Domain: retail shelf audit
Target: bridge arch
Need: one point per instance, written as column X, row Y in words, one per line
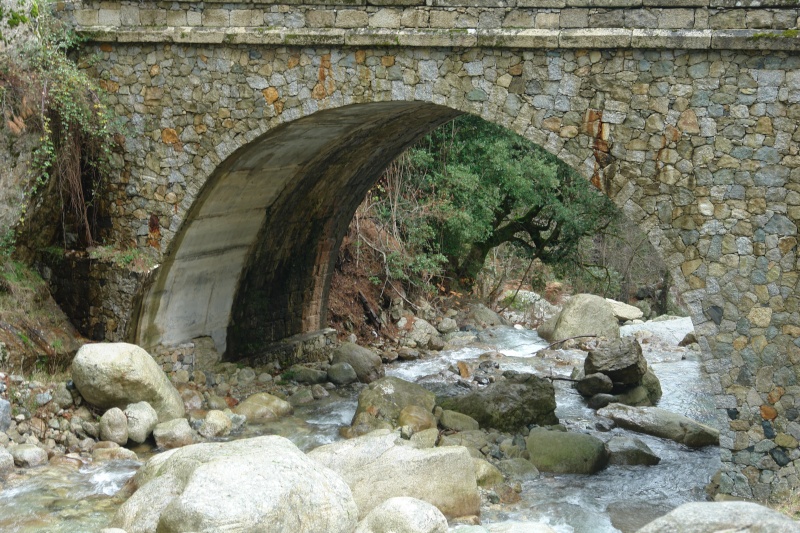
column 693, row 133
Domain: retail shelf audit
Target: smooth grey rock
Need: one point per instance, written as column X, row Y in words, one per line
column 342, row 374
column 623, row 311
column 118, row 374
column 114, row 426
column 709, row 517
column 263, row 407
column 485, row 317
column 367, row 365
column 142, row 419
column 592, row 384
column 630, row 451
column 28, row 455
column 380, row 466
column 518, row 468
column 215, row 424
column 486, row 474
column 304, row 374
column 509, row 404
column 403, row 515
column 261, row 484
column 661, row 423
column 621, row 360
column 388, row 397
column 564, row 452
column 173, row 434
column 457, row 421
column 582, row 314
column 447, row 325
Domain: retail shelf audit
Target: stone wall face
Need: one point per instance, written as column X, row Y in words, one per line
column 697, row 145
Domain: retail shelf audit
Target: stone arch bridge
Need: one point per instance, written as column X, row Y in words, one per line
column 255, row 127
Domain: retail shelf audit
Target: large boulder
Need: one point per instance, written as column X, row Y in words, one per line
column 173, row 434
column 385, row 399
column 709, row 517
column 261, row 484
column 365, row 362
column 583, row 314
column 485, row 317
column 118, row 374
column 6, row 462
column 263, row 407
column 380, row 466
column 28, row 455
column 420, row 334
column 661, row 423
column 510, row 404
column 403, row 515
column 563, row 452
column 621, row 360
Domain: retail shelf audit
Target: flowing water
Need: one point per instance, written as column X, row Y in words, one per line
column 620, row 498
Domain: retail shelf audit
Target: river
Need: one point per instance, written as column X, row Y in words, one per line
column 72, row 499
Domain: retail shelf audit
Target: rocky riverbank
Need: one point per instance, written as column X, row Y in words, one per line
column 414, row 457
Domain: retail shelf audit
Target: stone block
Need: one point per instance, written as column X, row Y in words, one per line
column 352, row 18
column 216, row 17
column 108, row 17
column 385, row 18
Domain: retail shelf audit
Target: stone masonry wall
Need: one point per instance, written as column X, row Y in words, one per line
column 698, row 144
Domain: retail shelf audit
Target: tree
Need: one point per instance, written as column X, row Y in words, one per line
column 491, row 186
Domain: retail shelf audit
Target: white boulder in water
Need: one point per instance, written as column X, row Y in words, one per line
column 709, row 517
column 380, row 465
column 403, row 515
column 661, row 423
column 118, row 374
column 262, row 484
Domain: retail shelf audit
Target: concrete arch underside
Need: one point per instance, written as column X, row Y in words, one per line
column 253, row 262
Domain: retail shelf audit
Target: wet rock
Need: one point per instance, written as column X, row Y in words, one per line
column 261, row 484
column 118, row 374
column 486, row 474
column 386, row 398
column 380, row 466
column 583, row 314
column 301, row 397
column 403, row 515
column 708, row 517
column 262, row 407
column 592, row 384
column 28, row 455
column 319, row 392
column 417, row 418
column 408, row 354
column 661, row 423
column 142, row 419
column 420, row 335
column 564, row 452
column 518, row 469
column 367, row 365
column 6, row 462
column 304, row 374
column 457, row 421
column 621, row 360
column 173, row 434
column 215, row 424
column 509, row 404
column 519, row 527
column 111, row 451
column 114, row 426
column 342, row 374
column 630, row 451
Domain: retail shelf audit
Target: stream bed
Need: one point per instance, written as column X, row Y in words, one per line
column 74, row 498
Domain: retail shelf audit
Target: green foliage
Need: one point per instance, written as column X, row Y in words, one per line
column 46, row 93
column 471, row 186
